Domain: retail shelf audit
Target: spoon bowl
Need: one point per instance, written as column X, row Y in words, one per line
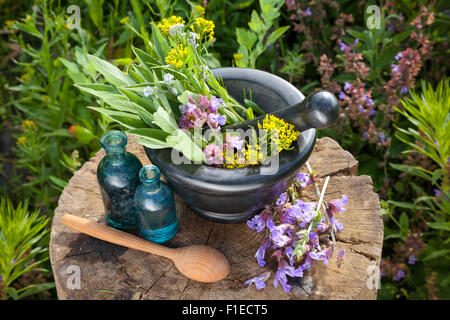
column 202, row 263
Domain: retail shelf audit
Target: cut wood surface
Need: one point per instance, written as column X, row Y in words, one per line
column 88, row 268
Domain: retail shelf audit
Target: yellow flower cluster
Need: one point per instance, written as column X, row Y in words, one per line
column 286, row 132
column 253, row 155
column 165, row 24
column 204, row 27
column 21, row 141
column 237, row 56
column 199, row 9
column 177, row 56
column 232, row 161
column 29, row 124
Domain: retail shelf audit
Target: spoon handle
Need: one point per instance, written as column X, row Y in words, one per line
column 115, row 236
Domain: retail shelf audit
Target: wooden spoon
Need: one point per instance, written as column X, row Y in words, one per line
column 198, row 262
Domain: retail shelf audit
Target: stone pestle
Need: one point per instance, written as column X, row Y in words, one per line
column 318, row 110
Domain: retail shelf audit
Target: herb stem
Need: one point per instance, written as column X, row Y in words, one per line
column 323, row 205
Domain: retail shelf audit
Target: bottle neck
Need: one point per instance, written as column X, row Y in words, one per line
column 152, row 186
column 150, row 178
column 116, row 156
column 115, row 145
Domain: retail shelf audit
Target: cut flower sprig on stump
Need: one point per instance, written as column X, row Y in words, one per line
column 170, row 96
column 298, row 231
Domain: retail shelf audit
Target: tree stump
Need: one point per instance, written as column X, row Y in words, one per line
column 88, row 268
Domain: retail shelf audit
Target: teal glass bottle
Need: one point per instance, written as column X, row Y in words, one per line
column 118, row 177
column 155, row 205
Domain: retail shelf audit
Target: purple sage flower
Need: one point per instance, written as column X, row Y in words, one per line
column 400, row 275
column 302, row 211
column 412, row 259
column 322, row 226
column 369, row 101
column 404, row 90
column 399, row 56
column 289, row 251
column 437, row 193
column 262, row 251
column 303, row 179
column 324, row 255
column 259, row 281
column 337, row 226
column 337, row 205
column 360, row 108
column 308, row 11
column 395, row 69
column 281, row 199
column 232, row 141
column 283, row 270
column 215, row 104
column 382, row 137
column 343, row 46
column 347, row 86
column 342, row 95
column 282, row 234
column 258, row 222
column 215, row 119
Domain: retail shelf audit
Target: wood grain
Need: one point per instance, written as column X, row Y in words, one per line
column 132, row 274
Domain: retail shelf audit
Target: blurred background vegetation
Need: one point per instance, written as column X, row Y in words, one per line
column 390, row 82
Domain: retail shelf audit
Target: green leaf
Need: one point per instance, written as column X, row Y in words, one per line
column 240, row 4
column 436, row 175
column 246, row 38
column 12, row 293
column 35, row 288
column 254, row 106
column 276, row 34
column 183, row 98
column 160, row 44
column 249, row 113
column 256, row 24
column 404, row 224
column 401, row 36
column 153, row 143
column 59, row 182
column 437, row 254
column 111, row 73
column 439, row 225
column 359, row 35
column 416, row 171
column 144, row 58
column 141, row 101
column 182, row 142
column 151, row 138
column 165, row 121
column 406, row 205
column 121, row 103
column 97, row 89
column 128, row 120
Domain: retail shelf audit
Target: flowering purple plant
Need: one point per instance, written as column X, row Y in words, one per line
column 196, row 114
column 295, row 230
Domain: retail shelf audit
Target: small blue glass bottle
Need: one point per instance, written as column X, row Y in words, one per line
column 155, row 205
column 118, row 177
